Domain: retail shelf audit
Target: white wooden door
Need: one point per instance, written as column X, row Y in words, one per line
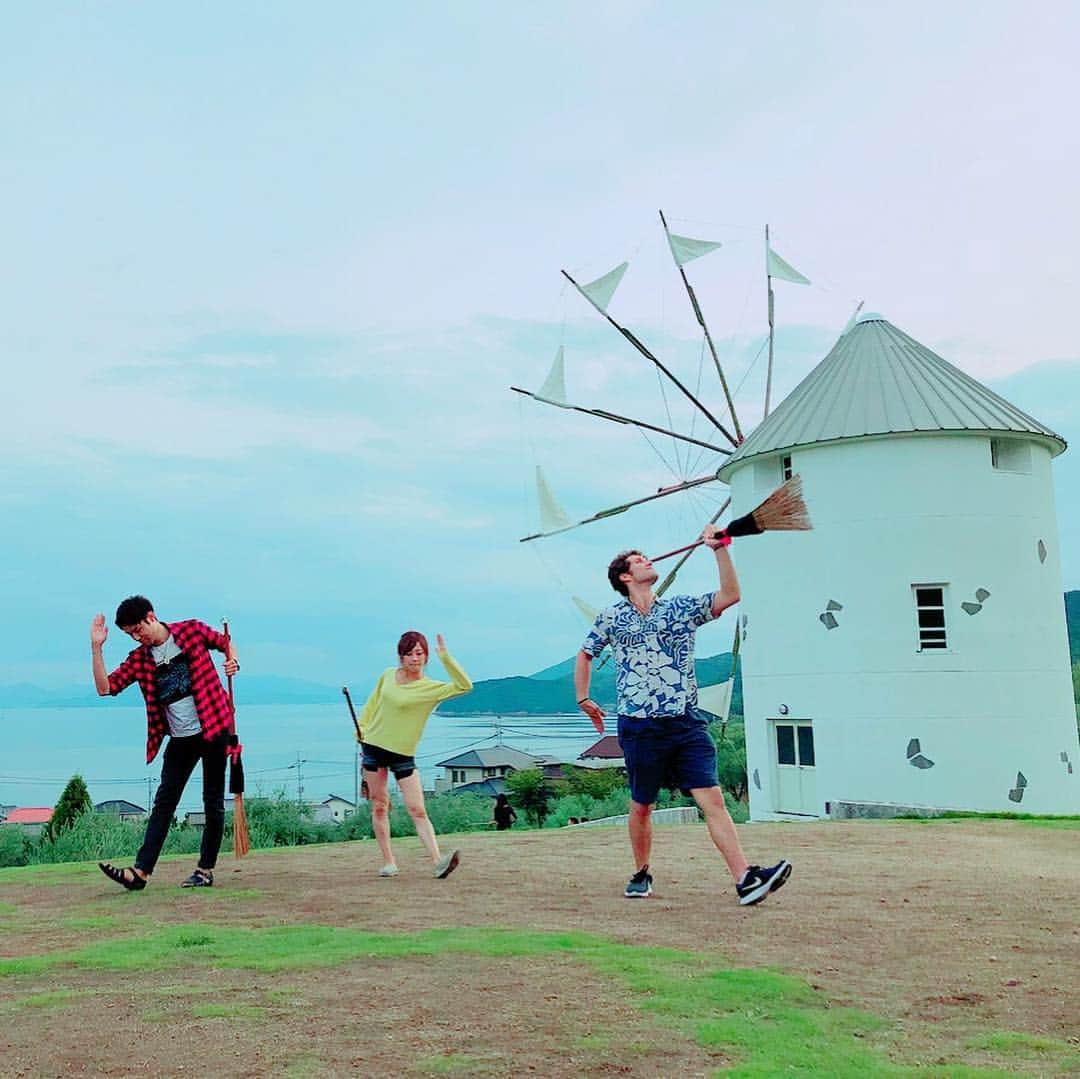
column 794, row 767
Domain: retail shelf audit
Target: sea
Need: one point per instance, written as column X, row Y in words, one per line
column 306, row 751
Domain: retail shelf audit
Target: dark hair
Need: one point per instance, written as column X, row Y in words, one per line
column 500, row 799
column 409, row 640
column 132, row 611
column 620, row 564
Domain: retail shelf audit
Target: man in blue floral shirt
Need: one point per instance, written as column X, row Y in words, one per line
column 664, row 738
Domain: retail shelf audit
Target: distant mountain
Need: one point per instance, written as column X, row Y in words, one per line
column 552, row 690
column 251, row 689
column 543, row 693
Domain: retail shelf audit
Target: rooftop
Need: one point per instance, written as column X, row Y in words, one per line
column 875, row 381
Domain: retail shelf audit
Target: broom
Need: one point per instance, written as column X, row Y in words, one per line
column 783, row 511
column 241, row 840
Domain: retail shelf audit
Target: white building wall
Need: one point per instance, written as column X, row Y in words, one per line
column 889, row 513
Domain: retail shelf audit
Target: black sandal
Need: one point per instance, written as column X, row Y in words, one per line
column 201, row 878
column 133, row 883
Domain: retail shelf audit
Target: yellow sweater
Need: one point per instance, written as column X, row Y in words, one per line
column 396, row 713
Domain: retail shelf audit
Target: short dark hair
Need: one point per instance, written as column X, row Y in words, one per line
column 409, row 640
column 132, row 611
column 620, row 564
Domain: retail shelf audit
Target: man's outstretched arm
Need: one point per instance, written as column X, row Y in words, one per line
column 728, row 593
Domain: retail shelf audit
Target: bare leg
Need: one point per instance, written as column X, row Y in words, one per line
column 380, row 812
column 640, row 822
column 722, row 829
column 413, row 793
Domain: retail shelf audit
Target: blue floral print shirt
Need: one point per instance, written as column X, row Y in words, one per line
column 654, row 653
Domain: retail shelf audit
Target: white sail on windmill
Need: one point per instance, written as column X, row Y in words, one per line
column 724, row 438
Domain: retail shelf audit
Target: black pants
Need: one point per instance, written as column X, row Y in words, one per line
column 181, row 756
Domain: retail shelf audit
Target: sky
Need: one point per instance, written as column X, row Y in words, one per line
column 271, row 270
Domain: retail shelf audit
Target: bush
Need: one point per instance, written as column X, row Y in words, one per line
column 14, row 845
column 528, row 791
column 74, row 802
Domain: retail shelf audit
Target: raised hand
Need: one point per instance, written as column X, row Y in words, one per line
column 98, row 630
column 440, row 642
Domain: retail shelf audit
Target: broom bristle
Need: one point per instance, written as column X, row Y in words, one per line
column 241, row 839
column 784, row 510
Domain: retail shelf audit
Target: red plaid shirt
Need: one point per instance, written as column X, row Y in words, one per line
column 194, row 639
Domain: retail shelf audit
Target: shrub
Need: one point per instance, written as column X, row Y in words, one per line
column 14, row 845
column 74, row 802
column 529, row 792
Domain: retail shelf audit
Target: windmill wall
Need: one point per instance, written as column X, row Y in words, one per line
column 832, row 645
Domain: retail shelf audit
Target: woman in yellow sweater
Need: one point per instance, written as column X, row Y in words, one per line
column 391, row 725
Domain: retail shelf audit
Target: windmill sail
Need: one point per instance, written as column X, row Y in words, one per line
column 684, row 249
column 600, row 291
column 553, row 391
column 783, row 270
column 552, row 516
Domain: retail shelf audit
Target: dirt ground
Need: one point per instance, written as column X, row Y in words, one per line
column 942, row 929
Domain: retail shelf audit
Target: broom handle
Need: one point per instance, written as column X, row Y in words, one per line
column 229, row 677
column 352, row 712
column 678, row 550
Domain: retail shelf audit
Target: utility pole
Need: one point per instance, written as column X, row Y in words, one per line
column 149, row 793
column 299, row 779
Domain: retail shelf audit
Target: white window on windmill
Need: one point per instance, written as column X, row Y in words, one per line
column 1010, row 455
column 930, row 616
column 770, row 472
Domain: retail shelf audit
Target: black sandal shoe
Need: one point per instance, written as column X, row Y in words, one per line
column 127, row 877
column 201, row 878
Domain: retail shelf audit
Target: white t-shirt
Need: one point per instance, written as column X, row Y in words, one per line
column 172, row 672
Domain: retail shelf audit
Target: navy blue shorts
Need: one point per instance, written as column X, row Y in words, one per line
column 667, row 751
column 375, row 757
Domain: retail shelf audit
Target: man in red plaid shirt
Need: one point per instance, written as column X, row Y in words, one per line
column 185, row 700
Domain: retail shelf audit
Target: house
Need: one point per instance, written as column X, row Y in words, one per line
column 32, row 819
column 910, row 653
column 476, row 765
column 4, row 811
column 488, row 787
column 120, row 808
column 604, row 753
column 332, row 809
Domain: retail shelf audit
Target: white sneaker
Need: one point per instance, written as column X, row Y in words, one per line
column 447, row 864
column 389, row 870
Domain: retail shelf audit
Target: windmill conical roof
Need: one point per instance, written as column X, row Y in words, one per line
column 877, row 381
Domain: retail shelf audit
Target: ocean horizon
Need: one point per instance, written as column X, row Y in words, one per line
column 41, row 748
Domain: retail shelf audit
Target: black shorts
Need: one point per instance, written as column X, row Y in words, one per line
column 375, row 757
column 667, row 751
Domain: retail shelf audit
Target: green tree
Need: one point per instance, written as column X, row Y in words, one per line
column 593, row 782
column 74, row 802
column 731, row 758
column 529, row 791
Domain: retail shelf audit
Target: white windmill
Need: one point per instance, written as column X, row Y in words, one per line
column 911, row 652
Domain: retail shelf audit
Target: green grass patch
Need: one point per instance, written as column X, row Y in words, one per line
column 770, row 1023
column 228, row 1011
column 459, row 1064
column 8, row 909
column 307, row 1066
column 1038, row 819
column 155, row 1015
column 55, row 998
column 1012, row 1043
